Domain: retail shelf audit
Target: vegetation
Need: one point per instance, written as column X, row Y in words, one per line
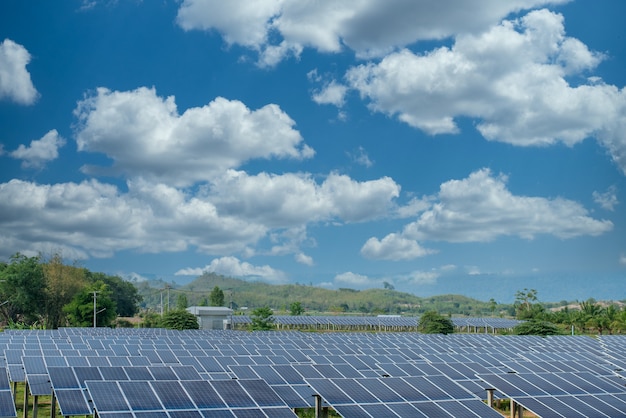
column 217, row 297
column 262, row 319
column 296, row 309
column 179, row 319
column 433, row 323
column 536, row 327
column 47, row 293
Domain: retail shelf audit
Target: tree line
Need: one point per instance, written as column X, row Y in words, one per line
column 585, row 317
column 46, row 293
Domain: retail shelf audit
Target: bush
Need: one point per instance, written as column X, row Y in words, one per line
column 433, row 323
column 179, row 319
column 536, row 327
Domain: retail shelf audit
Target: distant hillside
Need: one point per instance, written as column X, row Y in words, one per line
column 314, row 299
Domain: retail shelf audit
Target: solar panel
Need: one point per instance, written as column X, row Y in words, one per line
column 106, row 396
column 72, row 402
column 233, row 394
column 203, row 394
column 140, row 396
column 172, row 395
column 261, row 392
column 39, row 384
column 7, row 404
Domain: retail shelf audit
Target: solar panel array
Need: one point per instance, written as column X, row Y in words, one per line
column 156, row 372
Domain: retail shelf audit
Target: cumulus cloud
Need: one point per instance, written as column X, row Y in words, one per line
column 279, row 28
column 513, row 78
column 233, row 267
column 360, row 157
column 302, row 258
column 40, row 151
column 332, row 93
column 607, row 200
column 480, row 209
column 291, row 199
column 15, row 82
column 355, row 280
column 393, row 247
column 145, row 135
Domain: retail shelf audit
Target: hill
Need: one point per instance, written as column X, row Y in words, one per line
column 314, row 299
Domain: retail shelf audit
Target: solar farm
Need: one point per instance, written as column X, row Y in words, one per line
column 163, row 373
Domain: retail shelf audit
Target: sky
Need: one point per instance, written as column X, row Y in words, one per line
column 438, row 146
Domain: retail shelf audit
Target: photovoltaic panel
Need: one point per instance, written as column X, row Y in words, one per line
column 185, row 414
column 186, row 373
column 328, row 390
column 217, row 413
column 249, row 413
column 233, row 394
column 430, row 409
column 140, row 396
column 39, row 384
column 138, row 373
column 7, row 405
column 261, row 392
column 292, row 398
column 456, row 409
column 282, row 412
column 72, row 402
column 87, row 373
column 382, row 391
column 172, row 395
column 203, row 394
column 150, row 414
column 162, row 373
column 480, row 408
column 405, row 390
column 106, row 397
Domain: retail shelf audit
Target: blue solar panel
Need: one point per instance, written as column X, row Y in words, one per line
column 113, row 373
column 203, row 394
column 261, row 392
column 39, row 384
column 72, row 402
column 106, row 396
column 138, row 373
column 232, row 393
column 140, row 395
column 7, row 405
column 172, row 395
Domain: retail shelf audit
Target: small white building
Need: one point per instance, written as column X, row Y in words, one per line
column 212, row 317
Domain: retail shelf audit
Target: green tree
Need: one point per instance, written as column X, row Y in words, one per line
column 388, row 286
column 217, row 297
column 296, row 309
column 181, row 302
column 22, row 290
column 124, row 293
column 80, row 310
column 526, row 306
column 179, row 319
column 63, row 282
column 262, row 319
column 536, row 327
column 492, row 306
column 432, row 322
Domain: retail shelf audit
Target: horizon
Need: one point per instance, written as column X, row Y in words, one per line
column 438, row 148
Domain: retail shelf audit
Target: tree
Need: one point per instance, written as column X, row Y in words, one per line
column 536, row 327
column 526, row 306
column 124, row 293
column 296, row 309
column 179, row 319
column 492, row 305
column 262, row 319
column 80, row 310
column 433, row 323
column 181, row 302
column 63, row 282
column 388, row 286
column 217, row 297
column 22, row 289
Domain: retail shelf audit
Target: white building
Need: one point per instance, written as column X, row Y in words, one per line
column 212, row 317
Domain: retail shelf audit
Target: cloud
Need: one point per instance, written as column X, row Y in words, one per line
column 332, row 93
column 355, row 280
column 622, row 259
column 304, row 259
column 360, row 156
column 480, row 209
column 289, row 199
column 279, row 28
column 144, row 135
column 423, row 277
column 393, row 247
column 15, row 82
column 40, row 151
column 233, row 267
column 607, row 200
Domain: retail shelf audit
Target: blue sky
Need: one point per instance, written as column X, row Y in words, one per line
column 440, row 146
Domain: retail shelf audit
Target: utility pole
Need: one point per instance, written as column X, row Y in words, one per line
column 94, row 307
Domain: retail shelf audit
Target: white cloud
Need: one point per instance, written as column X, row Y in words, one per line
column 369, row 27
column 355, row 280
column 145, row 135
column 607, row 200
column 423, row 277
column 233, row 267
column 622, row 259
column 480, row 208
column 393, row 247
column 289, row 199
column 304, row 259
column 360, row 156
column 40, row 151
column 512, row 78
column 15, row 82
column 331, row 93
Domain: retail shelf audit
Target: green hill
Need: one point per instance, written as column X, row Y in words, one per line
column 315, row 300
